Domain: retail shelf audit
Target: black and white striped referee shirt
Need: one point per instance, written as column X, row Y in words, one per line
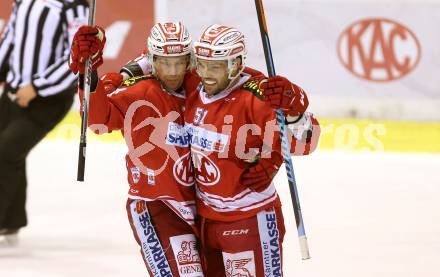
column 35, row 45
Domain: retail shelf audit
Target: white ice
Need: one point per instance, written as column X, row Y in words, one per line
column 366, row 215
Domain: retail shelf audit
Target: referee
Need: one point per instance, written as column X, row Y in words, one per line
column 38, row 90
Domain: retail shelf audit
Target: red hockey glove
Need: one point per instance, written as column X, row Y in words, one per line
column 110, row 82
column 284, row 95
column 262, row 173
column 106, row 84
column 87, row 42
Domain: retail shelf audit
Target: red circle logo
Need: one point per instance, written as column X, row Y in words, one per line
column 378, row 49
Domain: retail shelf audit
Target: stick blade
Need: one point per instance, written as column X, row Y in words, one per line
column 304, row 247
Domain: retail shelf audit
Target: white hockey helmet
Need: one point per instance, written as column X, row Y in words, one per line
column 220, row 42
column 169, row 39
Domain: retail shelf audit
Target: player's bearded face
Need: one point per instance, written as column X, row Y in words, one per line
column 214, row 75
column 171, row 71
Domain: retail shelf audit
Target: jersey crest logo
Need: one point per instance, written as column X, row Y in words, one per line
column 254, row 87
column 206, row 171
column 134, row 80
column 183, row 171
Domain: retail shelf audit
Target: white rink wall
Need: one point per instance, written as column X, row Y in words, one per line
column 304, row 37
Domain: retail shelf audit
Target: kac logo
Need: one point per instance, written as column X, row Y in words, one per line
column 182, row 170
column 378, row 49
column 205, row 170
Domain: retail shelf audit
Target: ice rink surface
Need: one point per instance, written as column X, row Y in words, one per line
column 366, row 215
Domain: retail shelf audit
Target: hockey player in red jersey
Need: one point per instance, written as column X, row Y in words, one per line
column 231, row 123
column 148, row 110
column 258, row 171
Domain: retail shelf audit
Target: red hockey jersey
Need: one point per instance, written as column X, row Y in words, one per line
column 158, row 160
column 227, row 132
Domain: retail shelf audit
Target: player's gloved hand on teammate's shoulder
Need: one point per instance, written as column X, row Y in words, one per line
column 88, row 42
column 109, row 82
column 284, row 95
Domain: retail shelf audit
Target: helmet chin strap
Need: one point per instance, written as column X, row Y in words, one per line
column 151, row 61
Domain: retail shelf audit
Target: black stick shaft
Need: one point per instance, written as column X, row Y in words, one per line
column 85, row 105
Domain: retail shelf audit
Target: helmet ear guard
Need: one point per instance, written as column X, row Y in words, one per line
column 231, row 65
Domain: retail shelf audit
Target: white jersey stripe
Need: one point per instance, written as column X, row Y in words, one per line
column 251, row 201
column 243, row 198
column 245, row 209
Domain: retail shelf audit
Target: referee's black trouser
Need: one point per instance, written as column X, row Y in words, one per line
column 20, row 130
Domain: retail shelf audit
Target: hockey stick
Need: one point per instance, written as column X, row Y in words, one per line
column 85, row 105
column 285, row 146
